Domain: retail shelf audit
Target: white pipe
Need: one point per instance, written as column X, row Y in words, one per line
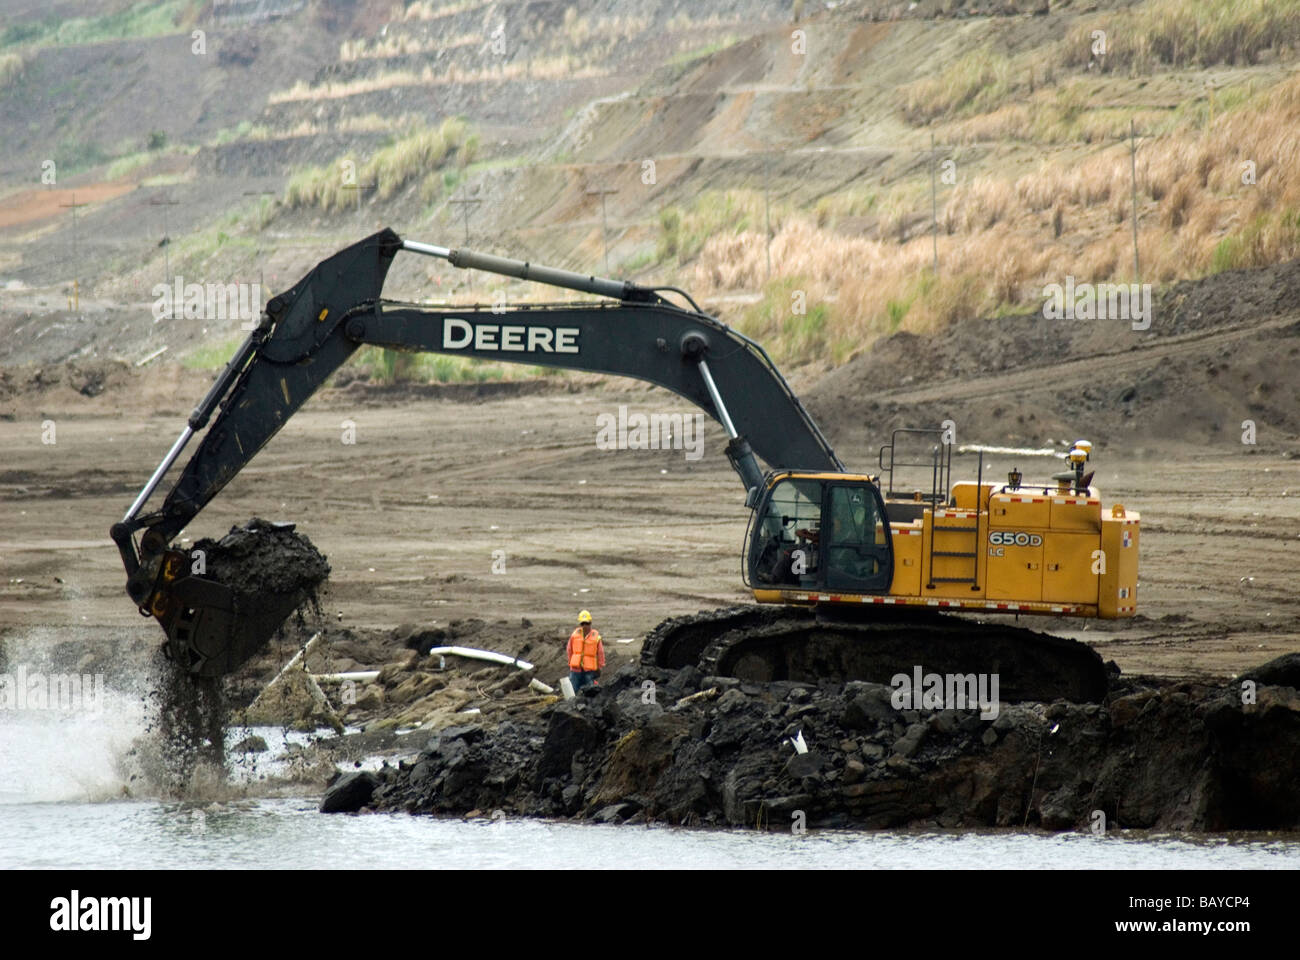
column 1012, row 451
column 157, row 353
column 489, row 655
column 540, row 687
column 306, row 648
column 364, row 676
column 428, row 249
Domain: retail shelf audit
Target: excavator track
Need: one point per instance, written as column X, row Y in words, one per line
column 765, row 643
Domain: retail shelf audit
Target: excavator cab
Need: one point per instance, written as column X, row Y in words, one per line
column 820, row 532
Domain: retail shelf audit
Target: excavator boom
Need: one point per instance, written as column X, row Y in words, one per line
column 311, row 329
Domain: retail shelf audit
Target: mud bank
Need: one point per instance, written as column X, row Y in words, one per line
column 1176, row 755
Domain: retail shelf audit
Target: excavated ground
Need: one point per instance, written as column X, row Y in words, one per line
column 675, row 747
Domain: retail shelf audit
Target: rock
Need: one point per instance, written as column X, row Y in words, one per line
column 867, row 710
column 634, row 710
column 293, row 699
column 349, row 793
column 469, row 732
column 804, row 764
column 640, row 758
column 854, row 770
column 414, row 686
column 731, row 700
column 391, row 673
column 1281, row 672
column 1125, row 710
column 569, row 732
column 742, row 788
column 901, row 766
column 722, row 683
column 370, row 698
column 686, row 680
column 910, row 742
column 798, row 695
column 251, row 744
column 990, row 737
column 614, row 813
column 944, row 722
column 873, row 751
column 1061, row 809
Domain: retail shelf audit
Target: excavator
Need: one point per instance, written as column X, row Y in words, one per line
column 852, row 573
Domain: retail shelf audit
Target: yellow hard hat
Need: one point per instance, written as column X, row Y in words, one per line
column 584, row 617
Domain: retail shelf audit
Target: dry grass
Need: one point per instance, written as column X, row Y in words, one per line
column 564, row 66
column 1178, row 33
column 423, row 10
column 12, row 66
column 976, row 83
column 1003, row 238
column 419, row 156
column 401, row 45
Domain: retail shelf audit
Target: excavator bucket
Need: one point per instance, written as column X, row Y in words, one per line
column 211, row 629
column 247, row 585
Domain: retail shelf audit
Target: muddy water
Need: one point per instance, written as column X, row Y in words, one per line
column 289, row 833
column 63, row 804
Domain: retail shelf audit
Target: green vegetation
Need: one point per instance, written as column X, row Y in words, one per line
column 401, row 366
column 789, row 324
column 213, row 355
column 976, row 83
column 74, row 155
column 148, row 19
column 1267, row 238
column 417, row 156
column 127, row 164
column 704, row 51
column 683, row 232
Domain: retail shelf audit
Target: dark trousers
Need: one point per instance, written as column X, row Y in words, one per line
column 583, row 678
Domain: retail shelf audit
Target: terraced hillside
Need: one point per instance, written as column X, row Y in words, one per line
column 758, row 155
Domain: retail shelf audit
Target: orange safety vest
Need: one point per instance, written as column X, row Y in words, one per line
column 583, row 652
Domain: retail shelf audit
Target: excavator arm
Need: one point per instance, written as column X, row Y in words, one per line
column 308, row 331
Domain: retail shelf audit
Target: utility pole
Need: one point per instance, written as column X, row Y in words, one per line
column 1132, row 151
column 604, row 225
column 465, row 204
column 72, row 205
column 358, row 187
column 166, row 240
column 934, row 206
column 767, row 209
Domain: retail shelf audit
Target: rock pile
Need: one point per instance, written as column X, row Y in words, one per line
column 676, row 747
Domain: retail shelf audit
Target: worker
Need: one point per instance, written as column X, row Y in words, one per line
column 586, row 654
